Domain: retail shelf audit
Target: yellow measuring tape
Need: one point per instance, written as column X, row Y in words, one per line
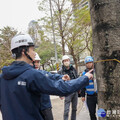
column 107, row 60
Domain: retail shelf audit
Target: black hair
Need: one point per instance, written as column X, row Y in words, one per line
column 17, row 52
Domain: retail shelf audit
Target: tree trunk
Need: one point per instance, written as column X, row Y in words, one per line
column 63, row 45
column 61, row 28
column 43, row 67
column 74, row 58
column 105, row 15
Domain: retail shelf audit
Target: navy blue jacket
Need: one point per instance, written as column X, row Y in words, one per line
column 45, row 101
column 20, row 88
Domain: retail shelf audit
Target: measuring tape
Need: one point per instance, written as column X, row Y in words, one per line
column 107, row 60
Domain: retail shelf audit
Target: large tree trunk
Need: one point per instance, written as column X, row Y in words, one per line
column 105, row 15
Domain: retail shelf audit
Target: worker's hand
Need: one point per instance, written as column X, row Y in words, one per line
column 62, row 98
column 66, row 77
column 83, row 99
column 89, row 74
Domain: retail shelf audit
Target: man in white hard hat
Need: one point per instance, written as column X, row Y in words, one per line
column 21, row 85
column 37, row 62
column 20, row 44
column 67, row 68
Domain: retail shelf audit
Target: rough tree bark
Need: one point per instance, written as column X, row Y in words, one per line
column 105, row 16
column 61, row 27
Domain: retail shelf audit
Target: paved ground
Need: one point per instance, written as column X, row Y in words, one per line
column 83, row 114
column 58, row 108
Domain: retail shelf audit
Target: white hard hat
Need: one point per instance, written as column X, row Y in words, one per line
column 37, row 57
column 21, row 40
column 65, row 57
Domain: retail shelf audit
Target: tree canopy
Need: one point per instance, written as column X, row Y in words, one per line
column 6, row 35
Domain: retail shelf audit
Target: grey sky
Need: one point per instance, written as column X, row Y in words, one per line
column 18, row 13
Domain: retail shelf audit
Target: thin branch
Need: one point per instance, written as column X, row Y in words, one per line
column 62, row 4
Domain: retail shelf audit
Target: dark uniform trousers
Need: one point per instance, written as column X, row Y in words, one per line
column 91, row 103
column 47, row 114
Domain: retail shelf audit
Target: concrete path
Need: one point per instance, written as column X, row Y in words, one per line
column 83, row 114
column 58, row 109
